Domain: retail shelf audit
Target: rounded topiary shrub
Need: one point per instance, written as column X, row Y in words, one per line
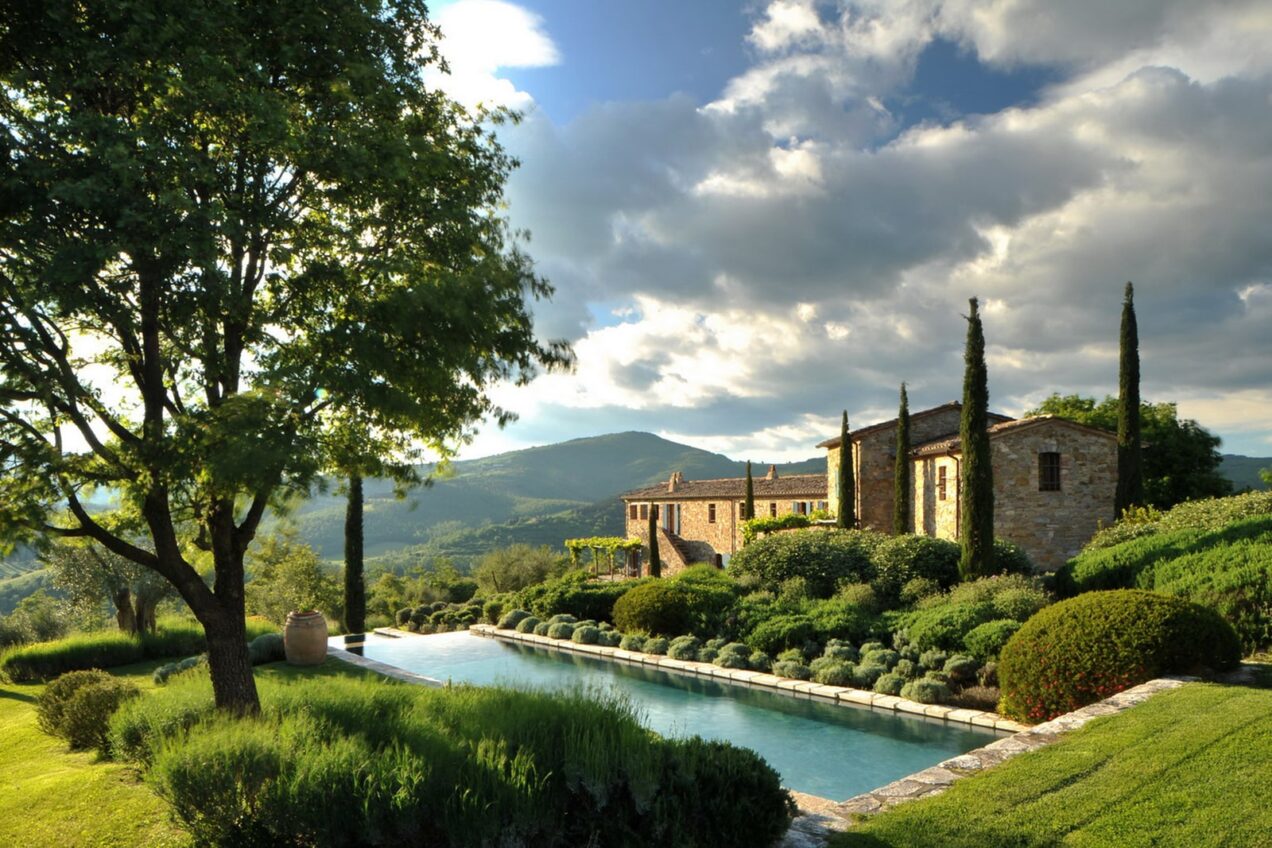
column 657, row 645
column 986, row 641
column 866, row 674
column 266, row 648
column 403, row 616
column 684, row 648
column 832, row 672
column 633, row 642
column 51, row 705
column 900, row 559
column 493, row 610
column 659, row 607
column 610, row 638
column 733, row 655
column 85, row 721
column 907, row 669
column 528, row 624
column 961, row 669
column 889, row 684
column 792, row 669
column 586, row 634
column 561, row 630
column 823, row 558
column 840, row 650
column 542, row 628
column 512, row 618
column 1084, row 649
column 760, row 661
column 926, row 691
column 881, row 656
column 781, row 632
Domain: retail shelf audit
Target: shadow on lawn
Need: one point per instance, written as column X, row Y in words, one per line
column 17, row 696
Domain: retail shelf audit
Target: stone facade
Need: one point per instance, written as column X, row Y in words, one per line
column 1051, row 519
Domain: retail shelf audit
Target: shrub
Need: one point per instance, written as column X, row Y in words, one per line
column 586, row 635
column 403, row 616
column 266, row 648
column 760, row 661
column 781, row 632
column 684, row 648
column 493, row 610
column 873, row 645
column 45, row 660
column 792, row 669
column 733, row 655
column 907, row 669
column 512, row 618
column 823, row 558
column 961, row 669
column 1081, row 650
column 574, row 594
column 85, row 720
column 1010, row 558
column 901, row 559
column 882, row 656
column 528, row 624
column 889, row 684
column 866, row 674
column 926, row 691
column 710, row 649
column 840, row 650
column 420, row 614
column 609, row 638
column 838, row 618
column 753, row 527
column 542, row 628
column 946, row 625
column 988, row 675
column 985, row 641
column 1019, row 604
column 51, row 704
column 917, row 589
column 660, row 607
column 933, row 659
column 832, row 672
column 632, row 642
column 355, row 762
column 657, row 645
column 561, row 630
column 563, row 618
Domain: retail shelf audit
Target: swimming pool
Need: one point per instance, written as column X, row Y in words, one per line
column 830, row 750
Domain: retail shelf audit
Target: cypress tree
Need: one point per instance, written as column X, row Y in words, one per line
column 902, row 475
column 1130, row 470
column 749, row 508
column 355, row 592
column 655, row 564
column 976, row 525
column 845, row 509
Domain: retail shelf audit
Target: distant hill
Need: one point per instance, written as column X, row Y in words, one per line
column 1243, row 471
column 539, row 495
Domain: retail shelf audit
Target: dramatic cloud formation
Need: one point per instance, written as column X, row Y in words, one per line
column 734, row 272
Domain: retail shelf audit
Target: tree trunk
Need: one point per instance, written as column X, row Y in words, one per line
column 144, row 614
column 233, row 687
column 355, row 592
column 124, row 615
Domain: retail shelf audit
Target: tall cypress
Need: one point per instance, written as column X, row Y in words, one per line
column 655, row 564
column 976, row 525
column 845, row 509
column 355, row 592
column 903, row 484
column 1130, row 469
column 749, row 508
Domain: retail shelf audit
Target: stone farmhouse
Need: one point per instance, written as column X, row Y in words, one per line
column 1054, row 484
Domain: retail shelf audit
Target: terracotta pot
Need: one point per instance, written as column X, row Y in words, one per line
column 305, row 638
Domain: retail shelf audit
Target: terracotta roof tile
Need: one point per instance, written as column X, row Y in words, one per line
column 952, row 443
column 892, row 423
column 792, row 485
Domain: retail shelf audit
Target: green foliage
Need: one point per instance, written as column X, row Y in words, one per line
column 527, row 625
column 839, row 618
column 755, row 527
column 287, row 575
column 926, row 691
column 946, row 626
column 1010, row 558
column 860, row 595
column 944, row 621
column 85, row 719
column 832, row 672
column 344, row 761
column 51, row 705
column 660, row 607
column 840, row 650
column 900, row 559
column 585, row 635
column 903, row 471
column 917, row 589
column 561, row 630
column 986, row 641
column 515, row 567
column 846, row 496
column 1207, row 552
column 865, row 675
column 91, row 575
column 1181, row 460
column 604, row 550
column 266, row 648
column 976, row 470
column 39, row 617
column 792, row 669
column 575, row 594
column 824, row 558
column 684, row 648
column 657, row 645
column 760, row 661
column 633, row 642
column 890, row 684
column 1130, row 468
column 542, row 628
column 512, row 618
column 1086, row 648
column 881, row 656
column 961, row 669
column 782, row 632
column 733, row 655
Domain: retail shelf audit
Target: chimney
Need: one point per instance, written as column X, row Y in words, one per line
column 772, row 473
column 676, row 479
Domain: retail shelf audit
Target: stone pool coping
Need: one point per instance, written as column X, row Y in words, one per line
column 842, row 695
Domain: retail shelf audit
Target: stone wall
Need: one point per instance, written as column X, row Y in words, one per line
column 701, row 537
column 1050, row 526
column 935, row 515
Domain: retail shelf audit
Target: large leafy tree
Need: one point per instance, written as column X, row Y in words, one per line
column 223, row 223
column 976, row 521
column 91, row 574
column 1181, row 458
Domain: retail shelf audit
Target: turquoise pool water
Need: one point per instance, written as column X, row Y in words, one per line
column 823, row 749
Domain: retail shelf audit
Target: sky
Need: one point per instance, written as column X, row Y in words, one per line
column 758, row 214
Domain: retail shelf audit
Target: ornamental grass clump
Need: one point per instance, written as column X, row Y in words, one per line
column 1084, row 649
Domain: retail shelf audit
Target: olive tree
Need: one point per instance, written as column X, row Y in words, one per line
column 222, row 226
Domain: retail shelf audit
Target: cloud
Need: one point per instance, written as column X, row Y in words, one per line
column 787, row 250
column 479, row 37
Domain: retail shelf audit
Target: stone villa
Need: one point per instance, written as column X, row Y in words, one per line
column 1054, row 483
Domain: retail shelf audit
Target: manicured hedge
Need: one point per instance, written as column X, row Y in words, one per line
column 822, row 557
column 575, row 594
column 1084, row 649
column 660, row 608
column 361, row 762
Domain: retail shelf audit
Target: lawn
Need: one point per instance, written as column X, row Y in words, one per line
column 49, row 796
column 1190, row 767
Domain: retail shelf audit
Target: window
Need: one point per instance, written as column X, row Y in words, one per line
column 741, row 510
column 772, row 510
column 711, row 513
column 644, row 512
column 1048, row 471
column 633, row 512
column 940, row 483
column 800, row 506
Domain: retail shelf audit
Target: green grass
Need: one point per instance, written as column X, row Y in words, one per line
column 57, row 798
column 1187, row 768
